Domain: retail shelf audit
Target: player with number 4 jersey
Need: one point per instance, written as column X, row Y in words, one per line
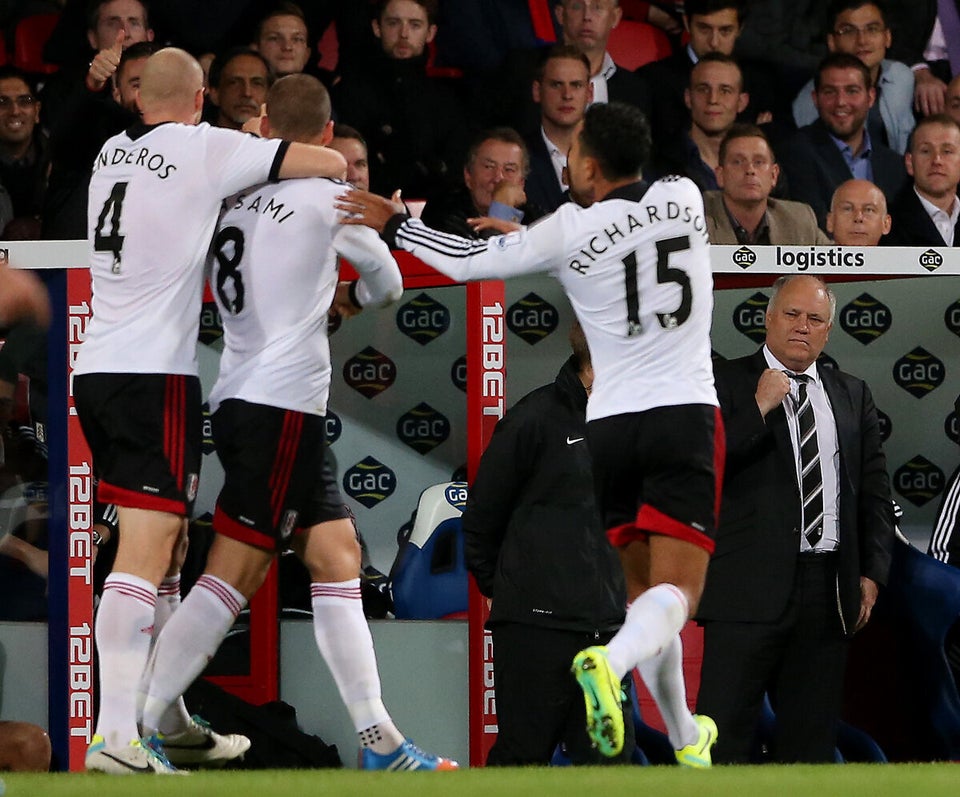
column 634, row 262
column 155, row 195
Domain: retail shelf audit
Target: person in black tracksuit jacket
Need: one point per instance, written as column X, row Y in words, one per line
column 536, row 546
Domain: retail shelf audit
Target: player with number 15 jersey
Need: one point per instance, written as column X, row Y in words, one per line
column 634, row 262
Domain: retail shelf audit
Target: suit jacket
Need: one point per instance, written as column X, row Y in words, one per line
column 895, row 102
column 667, row 79
column 751, row 573
column 912, row 225
column 504, row 96
column 814, row 168
column 542, row 186
column 791, row 223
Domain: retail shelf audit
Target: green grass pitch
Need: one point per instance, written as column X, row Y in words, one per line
column 868, row 780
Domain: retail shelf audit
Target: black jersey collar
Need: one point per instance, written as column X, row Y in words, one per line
column 633, row 192
column 139, row 129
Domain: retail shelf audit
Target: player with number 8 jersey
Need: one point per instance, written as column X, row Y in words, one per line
column 154, row 198
column 633, row 260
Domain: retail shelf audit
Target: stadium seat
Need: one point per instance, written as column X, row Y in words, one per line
column 28, row 39
column 900, row 686
column 633, row 44
column 428, row 579
column 328, row 48
column 3, row 49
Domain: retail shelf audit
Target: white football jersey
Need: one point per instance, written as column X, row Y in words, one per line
column 274, row 271
column 636, row 269
column 154, row 198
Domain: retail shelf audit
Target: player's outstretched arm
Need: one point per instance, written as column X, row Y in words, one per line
column 370, row 210
column 307, row 160
column 22, row 296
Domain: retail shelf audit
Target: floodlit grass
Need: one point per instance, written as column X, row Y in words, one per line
column 901, row 780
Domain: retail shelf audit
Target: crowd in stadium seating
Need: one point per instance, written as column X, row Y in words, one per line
column 836, row 86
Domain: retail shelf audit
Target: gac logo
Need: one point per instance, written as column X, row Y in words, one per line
column 369, row 372
column 532, row 318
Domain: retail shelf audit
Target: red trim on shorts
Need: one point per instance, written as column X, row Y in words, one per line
column 283, row 462
column 619, row 536
column 228, row 527
column 111, row 494
column 719, row 462
column 653, row 521
column 174, row 411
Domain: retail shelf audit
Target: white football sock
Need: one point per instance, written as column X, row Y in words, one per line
column 343, row 638
column 176, row 718
column 652, row 620
column 123, row 630
column 663, row 675
column 188, row 642
column 651, row 631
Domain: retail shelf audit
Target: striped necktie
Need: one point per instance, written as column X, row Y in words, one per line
column 811, row 477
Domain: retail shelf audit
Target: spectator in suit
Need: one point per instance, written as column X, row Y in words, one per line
column 585, row 24
column 927, row 42
column 493, row 189
column 713, row 27
column 858, row 214
column 413, row 123
column 861, row 28
column 715, row 96
column 563, row 91
column 239, row 81
column 926, row 212
column 838, row 145
column 742, row 211
column 790, row 582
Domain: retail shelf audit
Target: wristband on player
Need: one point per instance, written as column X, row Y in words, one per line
column 352, row 293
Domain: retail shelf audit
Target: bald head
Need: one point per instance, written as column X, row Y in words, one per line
column 171, row 87
column 858, row 214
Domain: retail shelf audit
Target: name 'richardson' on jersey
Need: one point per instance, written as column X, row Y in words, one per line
column 136, row 156
column 633, row 221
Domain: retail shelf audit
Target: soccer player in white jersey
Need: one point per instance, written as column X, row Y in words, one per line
column 274, row 274
column 634, row 263
column 154, row 199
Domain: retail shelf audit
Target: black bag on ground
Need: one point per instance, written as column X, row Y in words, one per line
column 276, row 740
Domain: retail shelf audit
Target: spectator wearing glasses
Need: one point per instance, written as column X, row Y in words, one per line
column 23, row 153
column 860, row 28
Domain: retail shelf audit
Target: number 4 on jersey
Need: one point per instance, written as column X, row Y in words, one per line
column 113, row 242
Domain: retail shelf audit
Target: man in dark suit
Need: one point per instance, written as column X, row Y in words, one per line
column 713, row 27
column 562, row 90
column 792, row 577
column 504, row 97
column 927, row 211
column 838, row 146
